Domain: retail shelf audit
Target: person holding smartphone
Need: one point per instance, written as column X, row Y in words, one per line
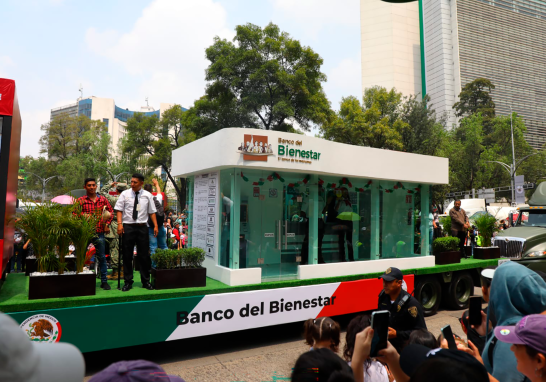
column 406, row 314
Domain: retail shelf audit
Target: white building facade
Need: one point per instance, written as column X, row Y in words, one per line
column 459, row 41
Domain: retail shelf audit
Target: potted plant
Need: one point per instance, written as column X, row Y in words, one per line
column 446, row 250
column 179, row 268
column 487, row 226
column 51, row 227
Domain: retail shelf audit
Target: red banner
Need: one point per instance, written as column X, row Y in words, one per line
column 7, row 94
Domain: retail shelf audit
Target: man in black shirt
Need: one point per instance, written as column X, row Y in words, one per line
column 406, row 314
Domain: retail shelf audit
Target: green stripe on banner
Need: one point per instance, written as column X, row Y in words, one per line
column 112, row 326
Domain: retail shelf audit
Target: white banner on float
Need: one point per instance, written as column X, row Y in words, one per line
column 205, row 193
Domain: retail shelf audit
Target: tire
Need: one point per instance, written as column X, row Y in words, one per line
column 429, row 294
column 458, row 292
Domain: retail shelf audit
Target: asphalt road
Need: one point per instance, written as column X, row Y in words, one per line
column 264, row 354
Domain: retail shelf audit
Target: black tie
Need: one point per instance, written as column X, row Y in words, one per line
column 135, row 212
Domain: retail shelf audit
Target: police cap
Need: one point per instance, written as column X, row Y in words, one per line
column 392, row 274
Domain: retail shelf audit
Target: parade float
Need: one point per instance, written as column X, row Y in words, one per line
column 292, row 227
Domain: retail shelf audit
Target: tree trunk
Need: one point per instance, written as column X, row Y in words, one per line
column 181, row 195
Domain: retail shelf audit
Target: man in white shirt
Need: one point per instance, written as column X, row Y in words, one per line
column 132, row 209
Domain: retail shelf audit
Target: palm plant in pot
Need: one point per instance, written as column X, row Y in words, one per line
column 61, row 230
column 487, row 226
column 82, row 231
column 37, row 223
column 179, row 268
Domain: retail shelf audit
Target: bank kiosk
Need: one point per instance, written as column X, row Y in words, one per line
column 267, row 206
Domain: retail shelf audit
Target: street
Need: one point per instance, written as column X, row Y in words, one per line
column 257, row 355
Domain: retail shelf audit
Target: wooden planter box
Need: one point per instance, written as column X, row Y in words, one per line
column 444, row 258
column 486, row 253
column 55, row 286
column 179, row 278
column 31, row 266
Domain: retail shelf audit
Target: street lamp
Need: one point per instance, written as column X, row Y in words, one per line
column 44, row 182
column 513, row 166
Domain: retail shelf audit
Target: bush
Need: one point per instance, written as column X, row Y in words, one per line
column 486, row 225
column 445, row 221
column 445, row 244
column 193, row 257
column 177, row 258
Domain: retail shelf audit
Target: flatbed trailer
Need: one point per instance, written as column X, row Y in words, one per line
column 140, row 316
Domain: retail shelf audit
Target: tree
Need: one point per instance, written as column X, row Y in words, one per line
column 264, row 79
column 66, row 135
column 476, row 98
column 374, row 123
column 426, row 133
column 153, row 139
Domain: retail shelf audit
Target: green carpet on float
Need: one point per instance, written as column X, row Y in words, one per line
column 14, row 292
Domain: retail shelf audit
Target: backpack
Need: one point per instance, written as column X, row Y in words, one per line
column 159, row 215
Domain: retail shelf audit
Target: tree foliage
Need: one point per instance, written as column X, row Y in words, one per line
column 475, row 98
column 264, row 79
column 154, row 139
column 375, row 123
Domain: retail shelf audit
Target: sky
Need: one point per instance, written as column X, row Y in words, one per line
column 132, row 49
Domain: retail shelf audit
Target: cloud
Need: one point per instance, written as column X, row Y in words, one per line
column 165, row 49
column 5, row 63
column 319, row 14
column 346, row 77
column 30, row 131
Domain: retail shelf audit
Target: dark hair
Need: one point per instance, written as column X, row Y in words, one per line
column 449, row 370
column 87, row 180
column 531, row 352
column 357, row 324
column 457, row 200
column 138, row 176
column 148, row 187
column 321, row 365
column 322, row 329
column 423, row 337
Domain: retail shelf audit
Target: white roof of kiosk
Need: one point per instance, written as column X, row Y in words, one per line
column 303, row 154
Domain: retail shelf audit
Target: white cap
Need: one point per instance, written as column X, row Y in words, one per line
column 488, row 273
column 22, row 360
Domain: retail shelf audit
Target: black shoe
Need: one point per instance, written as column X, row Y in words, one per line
column 147, row 286
column 105, row 286
column 126, row 287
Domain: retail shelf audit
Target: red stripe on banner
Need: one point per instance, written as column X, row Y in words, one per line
column 60, row 332
column 7, row 94
column 358, row 296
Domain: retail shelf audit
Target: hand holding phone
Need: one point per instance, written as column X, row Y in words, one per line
column 380, row 325
column 475, row 311
column 448, row 335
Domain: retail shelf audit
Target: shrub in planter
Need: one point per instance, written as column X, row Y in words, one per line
column 487, row 226
column 50, row 228
column 446, row 250
column 179, row 268
column 445, row 221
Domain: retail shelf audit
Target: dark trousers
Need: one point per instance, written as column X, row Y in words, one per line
column 136, row 234
column 462, row 237
column 18, row 258
column 346, row 235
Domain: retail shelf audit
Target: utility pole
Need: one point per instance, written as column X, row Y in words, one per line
column 44, row 182
column 511, row 168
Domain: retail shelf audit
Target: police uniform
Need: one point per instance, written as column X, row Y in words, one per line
column 406, row 314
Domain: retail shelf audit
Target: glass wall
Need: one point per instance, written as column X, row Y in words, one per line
column 282, row 220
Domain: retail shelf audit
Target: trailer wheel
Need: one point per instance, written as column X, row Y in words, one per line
column 429, row 294
column 458, row 291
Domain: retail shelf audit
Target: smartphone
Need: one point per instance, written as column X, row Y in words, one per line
column 475, row 311
column 380, row 326
column 448, row 335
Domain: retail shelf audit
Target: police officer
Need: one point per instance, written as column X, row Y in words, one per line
column 406, row 312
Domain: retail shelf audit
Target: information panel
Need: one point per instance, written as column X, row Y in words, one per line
column 205, row 195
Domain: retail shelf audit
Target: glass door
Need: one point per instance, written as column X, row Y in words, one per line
column 274, row 223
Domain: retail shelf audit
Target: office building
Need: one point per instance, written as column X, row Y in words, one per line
column 461, row 40
column 106, row 110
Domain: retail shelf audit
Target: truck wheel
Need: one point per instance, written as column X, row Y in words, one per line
column 458, row 291
column 429, row 294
